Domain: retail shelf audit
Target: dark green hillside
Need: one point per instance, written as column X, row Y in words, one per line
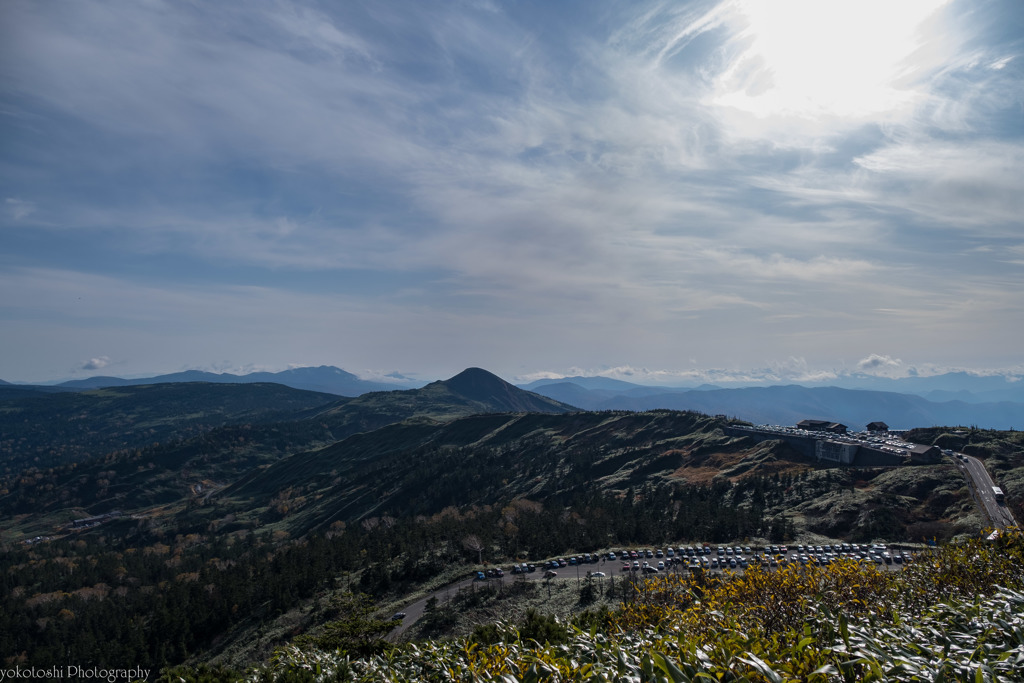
column 17, row 391
column 65, row 427
column 152, row 482
column 422, row 467
column 131, row 448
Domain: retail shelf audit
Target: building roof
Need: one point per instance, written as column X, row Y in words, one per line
column 821, row 426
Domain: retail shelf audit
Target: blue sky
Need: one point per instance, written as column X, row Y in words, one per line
column 647, row 190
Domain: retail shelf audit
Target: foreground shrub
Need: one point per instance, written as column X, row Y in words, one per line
column 977, row 641
column 957, row 615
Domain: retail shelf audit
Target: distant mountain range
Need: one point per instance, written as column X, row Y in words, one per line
column 326, row 379
column 788, row 405
column 54, row 427
column 950, row 386
column 957, row 398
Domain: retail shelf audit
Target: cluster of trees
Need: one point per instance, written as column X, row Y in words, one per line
column 155, row 602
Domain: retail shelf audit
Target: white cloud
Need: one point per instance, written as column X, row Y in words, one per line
column 387, row 376
column 1001, row 63
column 97, row 363
column 879, row 365
column 540, row 374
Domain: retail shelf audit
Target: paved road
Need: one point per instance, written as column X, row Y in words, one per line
column 981, row 484
column 414, row 611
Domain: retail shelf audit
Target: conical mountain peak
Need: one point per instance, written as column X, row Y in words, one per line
column 481, row 386
column 474, row 380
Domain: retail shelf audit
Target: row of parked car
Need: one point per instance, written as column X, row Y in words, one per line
column 586, row 558
column 737, row 557
column 713, row 557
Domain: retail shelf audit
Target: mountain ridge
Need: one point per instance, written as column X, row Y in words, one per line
column 787, row 404
column 324, row 378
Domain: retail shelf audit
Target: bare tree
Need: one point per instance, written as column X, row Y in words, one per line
column 472, row 542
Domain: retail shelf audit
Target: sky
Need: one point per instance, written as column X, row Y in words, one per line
column 647, row 190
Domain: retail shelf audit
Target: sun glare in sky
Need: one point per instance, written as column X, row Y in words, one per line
column 813, row 59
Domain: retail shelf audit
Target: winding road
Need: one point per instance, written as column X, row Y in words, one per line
column 981, row 484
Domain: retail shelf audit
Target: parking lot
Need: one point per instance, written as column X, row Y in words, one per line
column 705, row 557
column 635, row 562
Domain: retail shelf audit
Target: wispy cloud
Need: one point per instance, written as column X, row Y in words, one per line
column 965, row 185
column 19, row 208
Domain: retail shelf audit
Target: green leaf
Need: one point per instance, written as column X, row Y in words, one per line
column 670, row 669
column 763, row 667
